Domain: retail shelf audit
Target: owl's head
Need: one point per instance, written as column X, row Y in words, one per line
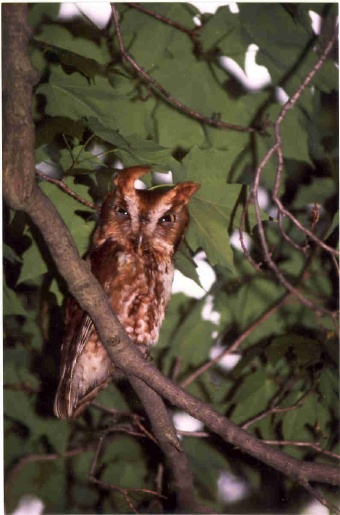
column 148, row 219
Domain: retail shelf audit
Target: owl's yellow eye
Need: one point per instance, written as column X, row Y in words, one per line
column 120, row 211
column 167, row 219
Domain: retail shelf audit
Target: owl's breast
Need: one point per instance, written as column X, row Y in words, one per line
column 139, row 288
column 144, row 297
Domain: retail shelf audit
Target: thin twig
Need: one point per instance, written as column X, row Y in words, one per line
column 24, row 386
column 146, row 432
column 136, row 419
column 315, row 493
column 275, row 409
column 159, row 477
column 277, row 149
column 114, row 412
column 277, row 272
column 194, row 434
column 176, row 368
column 164, row 93
column 296, row 246
column 162, row 18
column 313, row 445
column 303, row 229
column 83, row 147
column 236, row 343
column 256, row 266
column 278, row 145
column 125, row 492
column 67, row 190
column 15, row 470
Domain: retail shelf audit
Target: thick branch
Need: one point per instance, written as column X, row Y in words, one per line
column 18, row 79
column 171, row 447
column 92, row 299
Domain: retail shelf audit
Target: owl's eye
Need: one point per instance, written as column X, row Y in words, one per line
column 120, row 211
column 167, row 219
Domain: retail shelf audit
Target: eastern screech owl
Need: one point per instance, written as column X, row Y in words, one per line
column 132, row 257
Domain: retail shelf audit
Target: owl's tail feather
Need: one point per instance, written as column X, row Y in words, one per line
column 65, row 410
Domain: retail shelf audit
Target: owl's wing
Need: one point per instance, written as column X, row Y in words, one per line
column 78, row 326
column 85, row 365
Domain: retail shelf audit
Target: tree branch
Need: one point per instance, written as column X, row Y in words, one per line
column 67, row 190
column 236, row 343
column 18, row 128
column 21, row 193
column 163, row 92
column 125, row 492
column 165, row 433
column 126, row 356
column 253, row 197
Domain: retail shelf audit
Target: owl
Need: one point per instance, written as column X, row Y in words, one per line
column 132, row 257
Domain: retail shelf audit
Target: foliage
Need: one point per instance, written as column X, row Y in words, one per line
column 92, row 112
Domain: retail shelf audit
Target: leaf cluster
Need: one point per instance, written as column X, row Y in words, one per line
column 93, row 113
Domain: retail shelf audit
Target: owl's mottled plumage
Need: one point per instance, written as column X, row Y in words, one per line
column 132, row 257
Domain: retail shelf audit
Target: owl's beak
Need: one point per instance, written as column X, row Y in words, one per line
column 139, row 242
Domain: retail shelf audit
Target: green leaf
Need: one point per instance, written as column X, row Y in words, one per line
column 146, row 152
column 223, row 33
column 295, row 422
column 112, row 397
column 39, row 479
column 34, row 264
column 254, row 298
column 207, row 96
column 12, row 304
column 52, row 127
column 208, row 230
column 67, row 205
column 200, row 453
column 16, row 371
column 57, row 432
column 252, row 396
column 78, row 160
column 176, row 128
column 150, row 42
column 20, row 406
column 110, row 135
column 10, row 254
column 177, row 304
column 329, row 388
column 287, row 49
column 192, row 340
column 294, row 143
column 185, row 264
column 38, row 12
column 320, row 190
column 305, row 351
column 334, row 225
column 75, row 97
column 60, row 38
column 55, row 288
column 213, row 209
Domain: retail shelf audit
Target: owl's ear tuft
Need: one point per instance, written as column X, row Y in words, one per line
column 183, row 191
column 125, row 180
